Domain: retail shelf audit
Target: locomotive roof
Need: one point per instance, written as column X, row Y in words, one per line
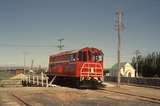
column 66, row 52
column 75, row 51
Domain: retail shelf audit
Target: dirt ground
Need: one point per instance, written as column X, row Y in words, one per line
column 64, row 96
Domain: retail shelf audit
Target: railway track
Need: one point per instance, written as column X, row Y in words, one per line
column 10, row 99
column 139, row 97
column 33, row 99
column 21, row 100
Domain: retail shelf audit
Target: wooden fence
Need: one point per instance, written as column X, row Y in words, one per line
column 36, row 80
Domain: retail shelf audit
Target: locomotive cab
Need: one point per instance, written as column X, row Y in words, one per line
column 90, row 56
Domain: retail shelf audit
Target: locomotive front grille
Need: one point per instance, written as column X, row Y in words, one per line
column 91, row 70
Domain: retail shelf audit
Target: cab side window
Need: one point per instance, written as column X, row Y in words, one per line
column 80, row 56
column 84, row 56
column 90, row 56
column 73, row 57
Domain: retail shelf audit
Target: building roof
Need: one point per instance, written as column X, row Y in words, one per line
column 115, row 66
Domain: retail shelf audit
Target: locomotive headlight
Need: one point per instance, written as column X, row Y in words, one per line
column 95, row 78
column 82, row 78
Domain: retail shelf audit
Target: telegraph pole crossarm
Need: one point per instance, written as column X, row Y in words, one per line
column 60, row 46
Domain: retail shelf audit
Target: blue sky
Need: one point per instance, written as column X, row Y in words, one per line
column 81, row 23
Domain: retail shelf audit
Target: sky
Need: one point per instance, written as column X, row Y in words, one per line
column 82, row 23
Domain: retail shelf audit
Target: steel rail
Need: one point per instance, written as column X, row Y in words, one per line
column 140, row 97
column 21, row 100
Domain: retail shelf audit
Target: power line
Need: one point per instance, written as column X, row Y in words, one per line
column 24, row 45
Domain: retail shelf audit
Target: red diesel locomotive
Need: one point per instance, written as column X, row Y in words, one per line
column 82, row 67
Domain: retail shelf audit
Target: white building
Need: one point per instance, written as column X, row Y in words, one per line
column 126, row 70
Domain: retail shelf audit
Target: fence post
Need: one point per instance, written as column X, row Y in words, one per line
column 46, row 81
column 37, row 81
column 128, row 78
column 42, row 78
column 29, row 80
column 33, row 79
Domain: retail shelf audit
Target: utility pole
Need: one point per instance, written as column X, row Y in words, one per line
column 119, row 29
column 24, row 60
column 137, row 52
column 32, row 62
column 60, row 46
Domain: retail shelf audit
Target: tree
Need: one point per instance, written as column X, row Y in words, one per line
column 148, row 66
